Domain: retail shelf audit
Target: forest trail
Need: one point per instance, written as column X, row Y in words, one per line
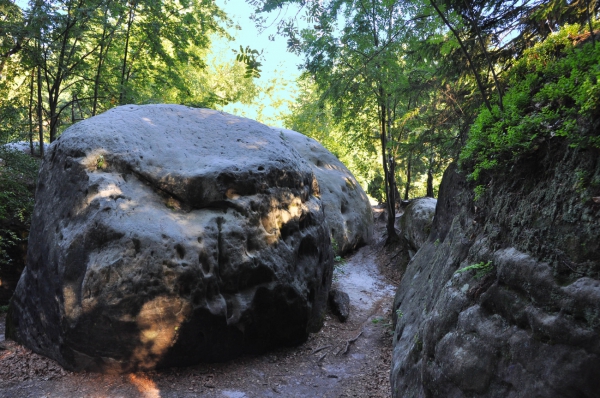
column 349, row 359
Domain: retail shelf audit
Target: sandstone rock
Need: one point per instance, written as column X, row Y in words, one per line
column 415, row 223
column 347, row 208
column 23, row 146
column 526, row 324
column 165, row 235
column 339, row 303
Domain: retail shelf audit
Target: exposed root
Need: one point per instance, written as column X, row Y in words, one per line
column 348, row 342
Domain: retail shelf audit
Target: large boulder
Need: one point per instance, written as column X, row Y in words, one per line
column 164, row 235
column 347, row 207
column 415, row 223
column 503, row 299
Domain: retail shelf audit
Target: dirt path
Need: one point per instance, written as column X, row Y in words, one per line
column 343, row 360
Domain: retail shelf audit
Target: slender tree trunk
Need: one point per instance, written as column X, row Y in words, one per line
column 54, row 116
column 97, row 79
column 491, row 66
column 39, row 109
column 429, row 183
column 408, row 177
column 389, row 182
column 30, row 113
column 106, row 40
column 589, row 18
column 124, row 67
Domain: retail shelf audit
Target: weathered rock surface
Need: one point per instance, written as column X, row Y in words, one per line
column 415, row 223
column 339, row 303
column 165, row 235
column 347, row 208
column 526, row 325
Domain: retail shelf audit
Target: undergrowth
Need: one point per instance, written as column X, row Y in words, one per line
column 18, row 174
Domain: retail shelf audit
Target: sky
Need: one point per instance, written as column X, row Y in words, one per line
column 277, row 62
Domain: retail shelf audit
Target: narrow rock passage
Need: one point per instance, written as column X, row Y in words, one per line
column 342, row 360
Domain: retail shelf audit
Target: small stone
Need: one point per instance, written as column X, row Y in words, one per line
column 339, row 303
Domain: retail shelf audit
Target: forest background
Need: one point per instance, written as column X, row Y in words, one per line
column 397, row 89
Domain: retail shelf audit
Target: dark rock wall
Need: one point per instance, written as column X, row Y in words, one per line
column 528, row 324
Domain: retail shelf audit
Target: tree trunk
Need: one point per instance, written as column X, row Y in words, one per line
column 97, row 78
column 407, row 185
column 389, row 179
column 124, row 67
column 39, row 110
column 54, row 116
column 30, row 113
column 589, row 18
column 429, row 183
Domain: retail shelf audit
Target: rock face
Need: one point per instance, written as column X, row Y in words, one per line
column 415, row 223
column 347, row 208
column 165, row 235
column 526, row 321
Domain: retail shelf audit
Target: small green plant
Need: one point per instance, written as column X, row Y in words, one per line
column 437, row 242
column 338, row 261
column 381, row 322
column 3, row 309
column 100, row 162
column 418, row 342
column 399, row 313
column 479, row 192
column 482, row 269
column 334, row 245
column 582, row 176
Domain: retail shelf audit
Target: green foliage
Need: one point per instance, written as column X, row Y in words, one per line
column 552, row 91
column 100, row 162
column 18, row 174
column 481, row 269
column 93, row 55
column 249, row 58
column 376, row 188
column 338, row 261
column 479, row 192
column 380, row 321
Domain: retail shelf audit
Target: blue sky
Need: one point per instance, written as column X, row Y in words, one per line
column 277, row 63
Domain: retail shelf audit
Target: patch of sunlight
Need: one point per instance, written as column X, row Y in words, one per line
column 148, row 121
column 159, row 321
column 72, row 308
column 146, row 386
column 279, row 215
